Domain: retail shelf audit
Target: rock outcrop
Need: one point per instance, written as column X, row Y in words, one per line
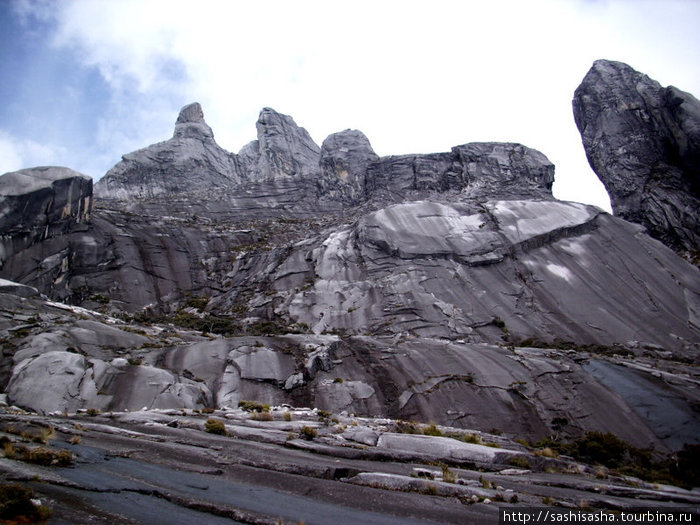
column 190, row 160
column 40, row 203
column 345, row 157
column 643, row 142
column 282, row 149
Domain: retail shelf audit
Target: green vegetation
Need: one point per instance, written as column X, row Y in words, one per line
column 215, row 426
column 520, row 462
column 308, row 433
column 16, row 505
column 608, row 450
column 560, row 344
column 253, row 406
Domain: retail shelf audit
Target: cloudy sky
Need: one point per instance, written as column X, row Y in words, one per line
column 84, row 82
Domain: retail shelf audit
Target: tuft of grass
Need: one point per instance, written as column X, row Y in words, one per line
column 287, row 416
column 447, row 475
column 262, row 416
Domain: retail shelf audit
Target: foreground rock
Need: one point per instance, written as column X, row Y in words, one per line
column 295, row 465
column 60, row 358
column 643, row 142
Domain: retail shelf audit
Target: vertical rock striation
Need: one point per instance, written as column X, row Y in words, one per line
column 643, row 142
column 39, row 203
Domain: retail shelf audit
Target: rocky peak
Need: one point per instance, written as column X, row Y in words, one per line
column 643, row 142
column 285, row 149
column 345, row 157
column 190, row 124
column 191, row 160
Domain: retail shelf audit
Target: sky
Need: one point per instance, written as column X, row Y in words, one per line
column 84, row 82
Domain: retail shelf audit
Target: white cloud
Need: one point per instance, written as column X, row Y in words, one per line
column 414, row 76
column 16, row 154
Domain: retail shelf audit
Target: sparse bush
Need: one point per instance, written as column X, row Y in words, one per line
column 338, row 380
column 520, row 462
column 262, row 416
column 16, row 505
column 253, row 406
column 215, row 426
column 207, row 410
column 287, row 416
column 308, row 433
column 92, row 412
column 75, row 440
column 47, row 457
column 432, row 430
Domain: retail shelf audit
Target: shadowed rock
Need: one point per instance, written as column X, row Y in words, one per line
column 40, row 203
column 643, row 142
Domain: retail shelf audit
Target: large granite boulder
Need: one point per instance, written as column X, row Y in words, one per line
column 643, row 142
column 190, row 160
column 40, row 203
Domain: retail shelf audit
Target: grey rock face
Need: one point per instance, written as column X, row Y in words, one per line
column 477, row 170
column 345, row 157
column 643, row 142
column 41, row 203
column 191, row 160
column 284, row 149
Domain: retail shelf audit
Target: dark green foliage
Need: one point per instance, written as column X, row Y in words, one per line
column 215, row 426
column 16, row 504
column 308, row 433
column 253, row 406
column 605, row 448
column 198, row 303
column 560, row 344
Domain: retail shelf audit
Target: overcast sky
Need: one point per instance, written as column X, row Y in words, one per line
column 84, row 82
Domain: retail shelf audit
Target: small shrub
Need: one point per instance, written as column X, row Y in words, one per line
column 431, row 489
column 432, row 430
column 338, row 380
column 546, row 452
column 262, row 416
column 520, row 462
column 207, row 410
column 287, row 416
column 253, row 406
column 47, row 457
column 92, row 412
column 16, row 505
column 215, row 426
column 308, row 433
column 75, row 440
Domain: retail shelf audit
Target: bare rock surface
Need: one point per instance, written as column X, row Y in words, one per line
column 643, row 142
column 40, row 203
column 162, row 466
column 191, row 159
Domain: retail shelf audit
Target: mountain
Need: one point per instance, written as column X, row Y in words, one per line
column 450, row 287
column 643, row 142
